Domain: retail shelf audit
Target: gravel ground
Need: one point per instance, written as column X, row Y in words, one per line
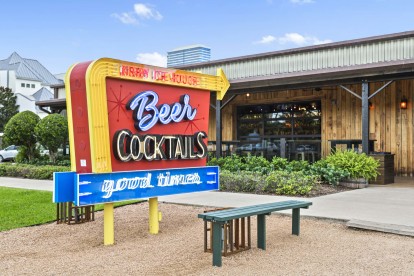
column 323, row 248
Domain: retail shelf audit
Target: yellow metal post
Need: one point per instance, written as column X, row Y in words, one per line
column 153, row 215
column 109, row 237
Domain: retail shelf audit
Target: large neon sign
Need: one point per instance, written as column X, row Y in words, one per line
column 126, row 119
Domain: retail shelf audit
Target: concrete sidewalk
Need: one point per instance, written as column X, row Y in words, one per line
column 388, row 208
column 24, row 183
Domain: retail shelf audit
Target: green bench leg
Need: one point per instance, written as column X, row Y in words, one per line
column 261, row 231
column 296, row 221
column 217, row 234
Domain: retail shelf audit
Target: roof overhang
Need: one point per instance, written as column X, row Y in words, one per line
column 327, row 77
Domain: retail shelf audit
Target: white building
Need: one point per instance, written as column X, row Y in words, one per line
column 29, row 80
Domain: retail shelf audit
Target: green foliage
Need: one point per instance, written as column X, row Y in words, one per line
column 30, row 171
column 358, row 165
column 282, row 164
column 289, row 183
column 296, row 166
column 232, row 163
column 19, row 131
column 248, row 182
column 22, row 155
column 257, row 164
column 44, row 160
column 279, row 163
column 52, row 132
column 236, row 163
column 328, row 172
column 8, row 106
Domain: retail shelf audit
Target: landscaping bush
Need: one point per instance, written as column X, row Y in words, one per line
column 328, row 173
column 52, row 132
column 232, row 163
column 30, row 171
column 257, row 164
column 358, row 165
column 290, row 183
column 19, row 131
column 249, row 182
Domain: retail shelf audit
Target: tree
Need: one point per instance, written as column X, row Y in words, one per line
column 8, row 106
column 52, row 132
column 19, row 131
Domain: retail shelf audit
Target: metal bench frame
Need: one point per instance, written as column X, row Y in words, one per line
column 220, row 218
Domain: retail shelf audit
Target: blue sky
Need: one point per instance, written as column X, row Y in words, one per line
column 61, row 33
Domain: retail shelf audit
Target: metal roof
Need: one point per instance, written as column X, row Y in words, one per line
column 42, row 94
column 387, row 54
column 28, row 69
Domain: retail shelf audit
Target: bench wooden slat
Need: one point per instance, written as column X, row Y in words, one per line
column 261, row 209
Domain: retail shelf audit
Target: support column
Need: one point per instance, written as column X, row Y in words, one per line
column 217, row 243
column 153, row 215
column 365, row 117
column 296, row 221
column 218, row 129
column 261, row 231
column 109, row 236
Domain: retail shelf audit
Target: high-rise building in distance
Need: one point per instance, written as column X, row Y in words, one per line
column 188, row 55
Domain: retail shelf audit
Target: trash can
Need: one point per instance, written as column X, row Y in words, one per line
column 386, row 168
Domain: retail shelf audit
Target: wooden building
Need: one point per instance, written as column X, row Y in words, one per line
column 302, row 101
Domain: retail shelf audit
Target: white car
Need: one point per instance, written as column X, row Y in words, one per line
column 9, row 153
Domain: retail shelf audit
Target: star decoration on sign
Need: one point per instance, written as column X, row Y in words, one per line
column 119, row 102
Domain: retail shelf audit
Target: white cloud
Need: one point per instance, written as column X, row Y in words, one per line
column 300, row 40
column 292, row 38
column 302, row 1
column 155, row 59
column 126, row 18
column 266, row 39
column 141, row 12
column 146, row 12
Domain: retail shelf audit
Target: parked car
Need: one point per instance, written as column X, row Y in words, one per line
column 9, row 153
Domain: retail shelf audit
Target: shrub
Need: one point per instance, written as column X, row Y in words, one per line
column 246, row 182
column 289, row 183
column 257, row 164
column 232, row 163
column 328, row 173
column 282, row 164
column 279, row 163
column 52, row 132
column 358, row 165
column 30, row 171
column 19, row 131
column 296, row 166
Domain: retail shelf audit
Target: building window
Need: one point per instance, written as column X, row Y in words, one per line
column 33, row 86
column 27, row 85
column 22, row 84
column 262, row 129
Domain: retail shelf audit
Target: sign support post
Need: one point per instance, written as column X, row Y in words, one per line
column 153, row 215
column 109, row 237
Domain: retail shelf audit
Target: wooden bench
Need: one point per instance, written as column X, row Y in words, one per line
column 219, row 218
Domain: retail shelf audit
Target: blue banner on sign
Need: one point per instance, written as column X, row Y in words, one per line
column 119, row 186
column 64, row 183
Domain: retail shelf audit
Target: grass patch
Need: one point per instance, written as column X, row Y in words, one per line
column 21, row 208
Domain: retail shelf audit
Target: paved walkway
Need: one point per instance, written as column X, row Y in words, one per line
column 388, row 208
